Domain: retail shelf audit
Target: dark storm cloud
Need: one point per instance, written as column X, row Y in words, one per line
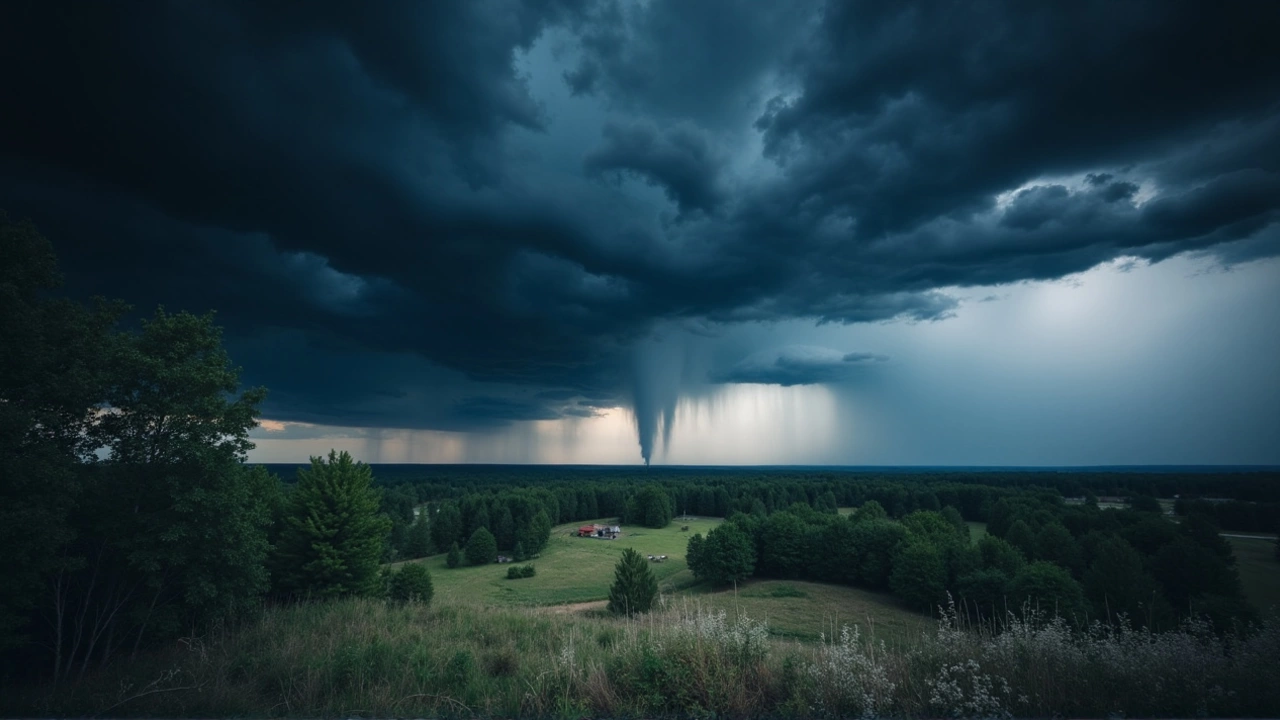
column 493, row 410
column 796, row 365
column 703, row 60
column 348, row 183
column 679, row 160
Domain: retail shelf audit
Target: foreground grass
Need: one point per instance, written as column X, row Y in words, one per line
column 367, row 658
column 1259, row 572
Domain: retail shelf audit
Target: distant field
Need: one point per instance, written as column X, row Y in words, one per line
column 570, row 569
column 977, row 530
column 1259, row 571
column 576, row 570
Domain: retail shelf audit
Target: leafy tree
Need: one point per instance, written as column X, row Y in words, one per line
column 454, row 558
column 1021, row 537
column 634, row 586
column 998, row 554
column 446, row 525
column 953, row 516
column 870, row 510
column 725, row 557
column 539, row 532
column 919, row 576
column 1117, row 583
column 172, row 526
column 1054, row 543
column 694, row 556
column 411, row 584
column 53, row 375
column 504, row 530
column 826, row 503
column 333, row 537
column 1187, row 570
column 1048, row 588
column 482, row 548
column 933, row 528
column 785, row 552
column 984, row 589
column 877, row 542
column 480, row 518
column 418, row 542
column 651, row 507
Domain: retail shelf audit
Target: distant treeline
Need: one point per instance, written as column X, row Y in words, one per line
column 449, row 481
column 484, row 495
column 908, row 535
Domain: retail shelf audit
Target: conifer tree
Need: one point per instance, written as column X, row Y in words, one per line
column 454, row 559
column 539, row 533
column 634, row 586
column 333, row 537
column 482, row 548
column 418, row 543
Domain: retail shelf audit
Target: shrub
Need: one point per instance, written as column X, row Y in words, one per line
column 524, row 571
column 454, row 559
column 411, row 584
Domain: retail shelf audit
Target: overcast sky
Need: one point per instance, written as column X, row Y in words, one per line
column 689, row 231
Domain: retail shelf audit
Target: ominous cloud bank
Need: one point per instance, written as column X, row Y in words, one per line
column 455, row 215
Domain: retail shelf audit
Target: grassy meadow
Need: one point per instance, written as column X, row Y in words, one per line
column 574, row 575
column 1259, row 571
column 570, row 569
column 370, row 658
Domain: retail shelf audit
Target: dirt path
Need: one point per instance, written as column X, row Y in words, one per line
column 575, row 607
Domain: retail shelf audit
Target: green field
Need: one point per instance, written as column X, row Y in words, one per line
column 574, row 574
column 1259, row 571
column 570, row 569
column 977, row 530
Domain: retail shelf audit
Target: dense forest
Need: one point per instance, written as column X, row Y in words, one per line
column 130, row 516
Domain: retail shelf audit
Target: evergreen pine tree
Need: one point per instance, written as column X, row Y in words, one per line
column 634, row 586
column 519, row 552
column 482, row 548
column 454, row 558
column 539, row 532
column 333, row 537
column 418, row 542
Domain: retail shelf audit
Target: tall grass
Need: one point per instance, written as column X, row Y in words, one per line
column 365, row 657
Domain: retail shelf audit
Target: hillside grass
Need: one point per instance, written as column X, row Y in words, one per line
column 370, row 658
column 810, row 611
column 1259, row 572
